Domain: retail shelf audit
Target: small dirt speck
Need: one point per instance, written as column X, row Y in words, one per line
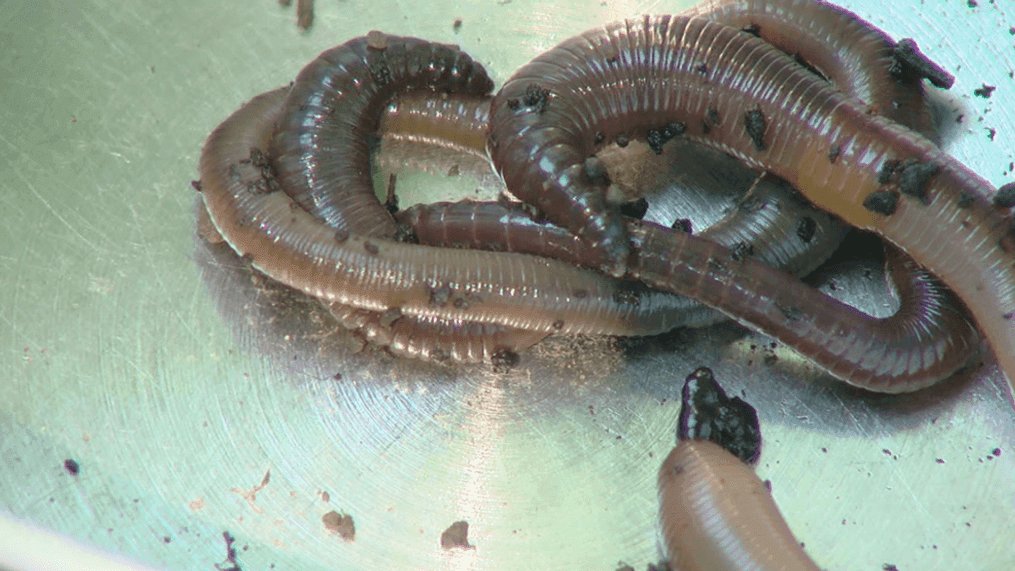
column 456, row 535
column 340, row 523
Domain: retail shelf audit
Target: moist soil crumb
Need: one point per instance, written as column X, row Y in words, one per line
column 1005, row 197
column 456, row 535
column 985, row 91
column 755, row 125
column 341, row 524
column 882, row 202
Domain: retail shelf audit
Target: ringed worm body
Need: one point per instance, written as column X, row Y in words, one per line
column 872, row 172
column 359, row 267
column 715, row 514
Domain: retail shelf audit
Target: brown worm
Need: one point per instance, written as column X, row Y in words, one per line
column 292, row 246
column 716, row 514
column 926, row 340
column 321, row 144
column 385, row 277
column 399, row 280
column 854, row 56
column 660, row 75
column 770, row 220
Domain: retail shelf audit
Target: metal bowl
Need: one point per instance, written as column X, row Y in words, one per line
column 155, row 395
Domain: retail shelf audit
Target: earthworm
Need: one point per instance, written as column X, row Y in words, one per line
column 854, row 56
column 714, row 512
column 769, row 222
column 387, row 277
column 663, row 75
column 356, row 260
column 292, row 246
column 771, row 218
column 396, row 279
column 322, row 142
column 926, row 340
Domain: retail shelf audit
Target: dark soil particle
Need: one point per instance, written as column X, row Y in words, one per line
column 340, row 523
column 888, row 169
column 833, row 153
column 536, row 98
column 883, row 202
column 985, row 91
column 707, row 413
column 914, row 177
column 911, row 65
column 635, row 209
column 753, row 29
column 806, row 228
column 682, row 224
column 456, row 535
column 505, row 359
column 1005, row 197
column 741, row 250
column 755, row 125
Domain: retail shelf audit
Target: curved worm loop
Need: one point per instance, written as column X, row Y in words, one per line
column 296, row 248
column 928, row 339
column 856, row 57
column 459, row 123
column 870, row 171
column 322, row 141
column 715, row 514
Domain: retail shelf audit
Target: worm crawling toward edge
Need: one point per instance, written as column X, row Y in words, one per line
column 715, row 514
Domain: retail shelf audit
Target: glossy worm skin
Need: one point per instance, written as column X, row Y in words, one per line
column 406, row 281
column 322, row 141
column 926, row 340
column 854, row 56
column 292, row 246
column 458, row 123
column 648, row 73
column 716, row 514
column 770, row 220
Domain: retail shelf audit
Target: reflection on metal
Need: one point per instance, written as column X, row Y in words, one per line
column 177, row 380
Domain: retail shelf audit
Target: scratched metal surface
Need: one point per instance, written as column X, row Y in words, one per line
column 178, row 383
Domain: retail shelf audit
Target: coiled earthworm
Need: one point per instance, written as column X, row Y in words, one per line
column 322, row 142
column 400, row 280
column 293, row 247
column 715, row 514
column 660, row 75
column 352, row 258
column 771, row 220
column 396, row 279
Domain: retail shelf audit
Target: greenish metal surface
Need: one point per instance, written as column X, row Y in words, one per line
column 178, row 384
